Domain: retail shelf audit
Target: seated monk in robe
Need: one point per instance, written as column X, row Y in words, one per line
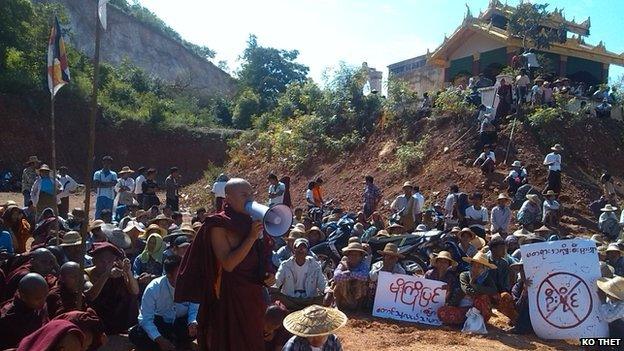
column 66, row 295
column 25, row 313
column 111, row 288
column 40, row 261
column 224, row 270
column 58, row 335
column 91, row 326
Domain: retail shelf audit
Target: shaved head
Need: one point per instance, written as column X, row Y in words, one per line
column 70, row 268
column 71, row 276
column 33, row 290
column 43, row 262
column 238, row 192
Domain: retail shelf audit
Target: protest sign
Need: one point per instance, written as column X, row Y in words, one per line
column 563, row 299
column 408, row 298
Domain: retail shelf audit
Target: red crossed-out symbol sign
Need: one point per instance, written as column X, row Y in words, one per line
column 564, row 300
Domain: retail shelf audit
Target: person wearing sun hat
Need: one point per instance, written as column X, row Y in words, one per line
column 608, row 222
column 612, row 307
column 551, row 209
column 389, row 263
column 530, row 213
column 300, row 279
column 124, row 187
column 313, row 329
column 516, row 178
column 29, row 175
column 615, row 258
column 43, row 190
column 315, row 235
column 285, row 252
column 104, row 181
column 477, row 290
column 405, row 207
column 467, row 241
column 351, row 277
column 553, row 161
column 444, row 269
column 500, row 217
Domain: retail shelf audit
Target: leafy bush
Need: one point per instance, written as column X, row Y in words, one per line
column 452, row 103
column 247, row 105
column 543, row 116
column 401, row 106
column 410, row 155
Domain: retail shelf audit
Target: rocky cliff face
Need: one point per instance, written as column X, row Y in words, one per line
column 145, row 47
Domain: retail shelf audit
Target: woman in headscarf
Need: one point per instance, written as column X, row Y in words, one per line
column 18, row 225
column 148, row 265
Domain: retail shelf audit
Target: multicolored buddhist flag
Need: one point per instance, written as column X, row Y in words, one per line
column 102, row 12
column 58, row 69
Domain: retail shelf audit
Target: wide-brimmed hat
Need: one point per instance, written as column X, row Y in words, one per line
column 300, row 241
column 188, row 229
column 421, row 228
column 98, row 223
column 543, row 229
column 171, row 237
column 533, row 198
column 516, row 164
column 318, row 230
column 131, row 225
column 382, row 232
column 396, row 226
column 100, row 247
column 33, row 159
column 408, row 184
column 153, row 228
column 44, row 167
column 71, row 238
column 613, row 287
column 125, row 169
column 478, row 242
column 197, row 225
column 443, row 255
column 531, row 238
column 598, row 239
column 161, row 217
column 613, row 247
column 521, row 232
column 557, row 147
column 391, row 249
column 295, row 234
column 503, row 196
column 354, row 247
column 481, row 258
column 550, row 193
column 467, row 230
column 301, row 227
column 608, row 208
column 118, row 238
column 455, row 230
column 315, row 320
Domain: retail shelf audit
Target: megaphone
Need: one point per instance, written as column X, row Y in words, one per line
column 277, row 219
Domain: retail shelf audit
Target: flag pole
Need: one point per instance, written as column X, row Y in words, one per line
column 54, row 190
column 91, row 146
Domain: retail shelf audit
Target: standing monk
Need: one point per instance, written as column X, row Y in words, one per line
column 223, row 271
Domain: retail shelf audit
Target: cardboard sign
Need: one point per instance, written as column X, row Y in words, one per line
column 408, row 298
column 563, row 299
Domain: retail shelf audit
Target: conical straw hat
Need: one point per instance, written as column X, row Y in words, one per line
column 315, row 320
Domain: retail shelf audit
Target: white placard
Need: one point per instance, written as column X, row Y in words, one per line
column 408, row 298
column 563, row 299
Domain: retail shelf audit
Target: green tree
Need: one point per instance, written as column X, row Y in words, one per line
column 247, row 105
column 527, row 22
column 268, row 71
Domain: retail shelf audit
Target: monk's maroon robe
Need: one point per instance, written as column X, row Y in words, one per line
column 13, row 279
column 17, row 321
column 61, row 300
column 231, row 312
column 117, row 308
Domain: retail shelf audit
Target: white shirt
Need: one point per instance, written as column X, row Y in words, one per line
column 68, row 184
column 108, row 192
column 218, row 189
column 449, row 203
column 300, row 273
column 490, row 154
column 480, row 215
column 421, row 202
column 555, row 159
column 531, row 59
column 309, row 197
column 400, row 203
column 138, row 184
column 549, row 206
column 274, row 189
column 522, row 80
column 124, row 182
column 611, row 311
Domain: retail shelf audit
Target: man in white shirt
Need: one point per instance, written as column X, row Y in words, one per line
column 218, row 189
column 68, row 184
column 486, row 161
column 125, row 187
column 276, row 190
column 300, row 279
column 522, row 82
column 516, row 178
column 405, row 206
column 163, row 323
column 550, row 208
column 449, row 206
column 477, row 215
column 421, row 204
column 138, row 184
column 104, row 182
column 553, row 161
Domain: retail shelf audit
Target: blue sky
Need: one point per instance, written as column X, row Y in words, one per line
column 329, row 31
